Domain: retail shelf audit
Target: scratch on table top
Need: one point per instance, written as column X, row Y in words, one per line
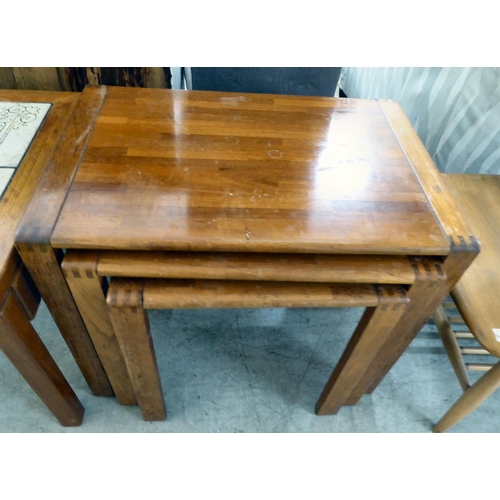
column 233, row 101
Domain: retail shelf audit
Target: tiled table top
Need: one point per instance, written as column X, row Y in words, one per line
column 19, row 123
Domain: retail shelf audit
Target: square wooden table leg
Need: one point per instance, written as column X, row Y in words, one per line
column 426, row 294
column 375, row 325
column 22, row 345
column 89, row 292
column 131, row 325
column 26, row 291
column 43, row 263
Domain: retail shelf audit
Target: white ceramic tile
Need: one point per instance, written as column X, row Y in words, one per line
column 5, row 176
column 19, row 122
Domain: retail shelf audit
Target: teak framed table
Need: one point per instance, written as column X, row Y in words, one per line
column 153, row 184
column 31, row 124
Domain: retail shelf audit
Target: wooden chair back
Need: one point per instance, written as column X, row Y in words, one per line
column 477, row 294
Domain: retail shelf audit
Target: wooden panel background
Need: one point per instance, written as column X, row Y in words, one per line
column 75, row 79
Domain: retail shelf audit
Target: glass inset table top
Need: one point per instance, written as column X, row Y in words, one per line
column 19, row 123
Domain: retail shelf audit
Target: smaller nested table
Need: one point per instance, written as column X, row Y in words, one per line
column 294, row 192
column 31, row 123
column 233, row 280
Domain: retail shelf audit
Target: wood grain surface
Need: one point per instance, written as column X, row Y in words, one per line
column 375, row 327
column 33, row 232
column 42, row 212
column 264, row 267
column 132, row 329
column 33, row 79
column 22, row 345
column 167, row 294
column 89, row 292
column 25, row 182
column 443, row 203
column 425, row 294
column 199, row 171
column 26, row 292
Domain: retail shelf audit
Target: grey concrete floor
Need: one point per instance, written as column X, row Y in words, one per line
column 254, row 371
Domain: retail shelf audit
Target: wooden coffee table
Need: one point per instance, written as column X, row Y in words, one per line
column 186, row 175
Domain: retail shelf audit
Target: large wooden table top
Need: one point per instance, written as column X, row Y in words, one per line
column 200, row 171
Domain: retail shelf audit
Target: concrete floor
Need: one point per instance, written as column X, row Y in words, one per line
column 254, row 371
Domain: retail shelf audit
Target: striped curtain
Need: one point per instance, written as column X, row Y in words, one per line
column 455, row 111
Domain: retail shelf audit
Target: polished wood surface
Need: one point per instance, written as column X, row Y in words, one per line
column 170, row 294
column 444, row 205
column 41, row 214
column 199, row 171
column 27, row 178
column 247, row 266
column 476, row 294
column 34, row 230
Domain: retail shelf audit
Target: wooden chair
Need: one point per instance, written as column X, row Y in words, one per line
column 476, row 294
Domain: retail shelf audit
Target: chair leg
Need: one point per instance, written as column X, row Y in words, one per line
column 470, row 399
column 451, row 345
column 131, row 325
column 22, row 345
